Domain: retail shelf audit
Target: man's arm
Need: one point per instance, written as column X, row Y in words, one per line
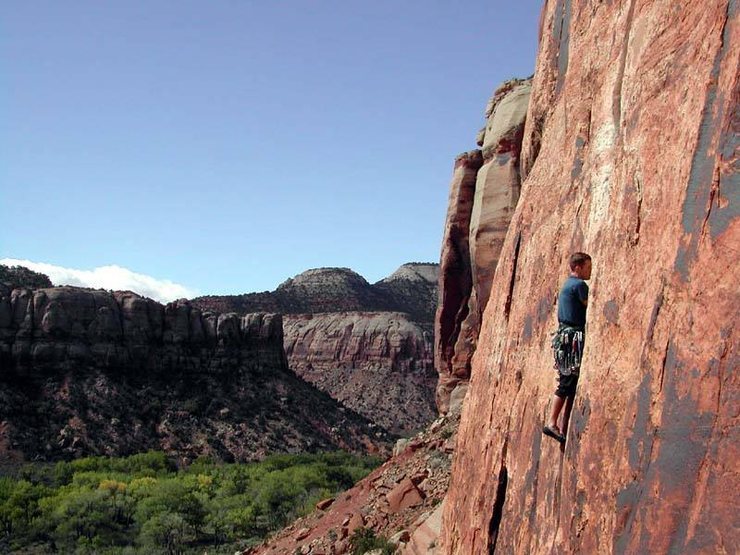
column 582, row 291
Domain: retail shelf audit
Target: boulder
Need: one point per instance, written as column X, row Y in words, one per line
column 425, row 539
column 404, row 496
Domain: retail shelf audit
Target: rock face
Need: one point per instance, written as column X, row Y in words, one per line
column 90, row 372
column 368, row 346
column 379, row 364
column 483, row 195
column 630, row 154
column 411, row 289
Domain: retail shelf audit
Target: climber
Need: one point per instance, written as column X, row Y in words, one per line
column 567, row 342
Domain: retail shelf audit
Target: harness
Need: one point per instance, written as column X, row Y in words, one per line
column 567, row 348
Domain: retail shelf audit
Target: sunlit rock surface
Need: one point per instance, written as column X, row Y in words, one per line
column 483, row 196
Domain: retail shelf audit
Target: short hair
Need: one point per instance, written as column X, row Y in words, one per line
column 578, row 259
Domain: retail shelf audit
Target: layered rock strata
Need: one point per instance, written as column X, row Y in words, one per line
column 379, row 364
column 91, row 372
column 631, row 154
column 368, row 346
column 483, row 195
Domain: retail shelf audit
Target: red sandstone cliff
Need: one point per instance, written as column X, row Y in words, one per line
column 631, row 155
column 483, row 195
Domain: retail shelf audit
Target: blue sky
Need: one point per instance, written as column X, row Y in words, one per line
column 226, row 146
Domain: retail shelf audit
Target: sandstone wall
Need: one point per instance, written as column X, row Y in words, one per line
column 91, row 372
column 63, row 327
column 379, row 364
column 483, row 195
column 631, row 155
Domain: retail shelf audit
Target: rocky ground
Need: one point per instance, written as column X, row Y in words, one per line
column 401, row 501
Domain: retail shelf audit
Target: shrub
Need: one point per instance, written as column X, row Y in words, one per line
column 364, row 540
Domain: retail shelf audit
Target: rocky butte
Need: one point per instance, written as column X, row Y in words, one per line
column 631, row 154
column 483, row 195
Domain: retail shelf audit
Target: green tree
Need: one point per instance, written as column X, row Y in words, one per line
column 165, row 530
column 89, row 517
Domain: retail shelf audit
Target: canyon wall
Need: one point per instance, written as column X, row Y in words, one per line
column 87, row 371
column 367, row 345
column 630, row 153
column 378, row 363
column 483, row 195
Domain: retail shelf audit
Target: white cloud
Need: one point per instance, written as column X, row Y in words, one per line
column 109, row 277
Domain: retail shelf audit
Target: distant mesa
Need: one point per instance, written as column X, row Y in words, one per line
column 412, row 289
column 66, row 343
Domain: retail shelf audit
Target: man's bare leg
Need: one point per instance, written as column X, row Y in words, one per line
column 566, row 413
column 557, row 406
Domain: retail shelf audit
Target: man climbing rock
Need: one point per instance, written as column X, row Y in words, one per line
column 567, row 342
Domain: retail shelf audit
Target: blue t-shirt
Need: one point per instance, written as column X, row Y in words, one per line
column 571, row 310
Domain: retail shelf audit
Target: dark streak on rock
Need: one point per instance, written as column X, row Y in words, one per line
column 642, row 437
column 561, row 33
column 515, row 260
column 685, row 437
column 611, row 312
column 498, row 503
column 728, row 182
column 527, row 331
column 530, row 480
column 544, row 308
column 681, row 264
column 657, row 305
column 626, row 500
column 702, row 185
column 503, row 158
column 577, row 168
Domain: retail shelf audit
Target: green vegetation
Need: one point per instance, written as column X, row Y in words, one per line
column 143, row 504
column 364, row 540
column 20, row 276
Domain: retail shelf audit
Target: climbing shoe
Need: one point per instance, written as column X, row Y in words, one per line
column 551, row 432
